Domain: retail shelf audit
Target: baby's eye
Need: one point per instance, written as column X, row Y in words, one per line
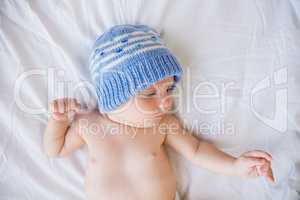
column 171, row 88
column 150, row 94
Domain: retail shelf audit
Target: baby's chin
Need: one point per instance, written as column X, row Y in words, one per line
column 139, row 121
column 153, row 120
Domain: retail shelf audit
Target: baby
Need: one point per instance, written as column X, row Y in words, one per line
column 134, row 76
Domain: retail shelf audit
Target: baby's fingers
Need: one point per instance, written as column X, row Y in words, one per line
column 61, row 106
column 57, row 106
column 73, row 105
column 258, row 153
column 266, row 171
column 254, row 172
column 52, row 106
column 255, row 161
column 64, row 105
column 270, row 175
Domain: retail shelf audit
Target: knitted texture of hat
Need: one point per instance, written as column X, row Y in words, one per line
column 127, row 59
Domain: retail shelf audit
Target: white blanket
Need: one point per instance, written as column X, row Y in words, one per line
column 241, row 88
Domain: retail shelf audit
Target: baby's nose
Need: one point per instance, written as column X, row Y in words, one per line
column 166, row 104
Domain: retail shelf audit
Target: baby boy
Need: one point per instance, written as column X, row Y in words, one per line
column 135, row 75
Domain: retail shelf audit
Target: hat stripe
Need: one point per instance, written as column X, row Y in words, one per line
column 98, row 63
column 113, row 54
column 124, row 40
column 109, row 43
column 133, row 53
column 109, row 54
column 120, row 38
column 123, row 45
column 126, row 55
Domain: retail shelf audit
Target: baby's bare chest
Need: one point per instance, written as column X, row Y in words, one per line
column 119, row 158
column 105, row 139
column 127, row 153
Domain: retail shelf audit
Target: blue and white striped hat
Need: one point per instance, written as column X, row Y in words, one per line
column 126, row 60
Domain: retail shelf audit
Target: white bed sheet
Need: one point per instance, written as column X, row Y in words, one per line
column 222, row 44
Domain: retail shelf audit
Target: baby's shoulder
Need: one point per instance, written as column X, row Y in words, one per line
column 88, row 124
column 87, row 119
column 88, row 116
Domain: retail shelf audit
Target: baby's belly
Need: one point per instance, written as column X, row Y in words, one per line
column 148, row 178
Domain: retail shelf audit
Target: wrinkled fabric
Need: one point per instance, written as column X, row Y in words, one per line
column 240, row 90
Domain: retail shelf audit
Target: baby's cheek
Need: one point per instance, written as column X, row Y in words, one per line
column 147, row 106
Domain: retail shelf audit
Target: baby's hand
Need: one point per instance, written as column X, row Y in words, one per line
column 253, row 164
column 64, row 109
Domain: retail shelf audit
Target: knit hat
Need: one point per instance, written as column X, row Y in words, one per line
column 126, row 60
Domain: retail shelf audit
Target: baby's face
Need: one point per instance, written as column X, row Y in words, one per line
column 148, row 106
column 157, row 99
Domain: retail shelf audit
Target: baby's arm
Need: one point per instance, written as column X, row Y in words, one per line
column 61, row 135
column 206, row 155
